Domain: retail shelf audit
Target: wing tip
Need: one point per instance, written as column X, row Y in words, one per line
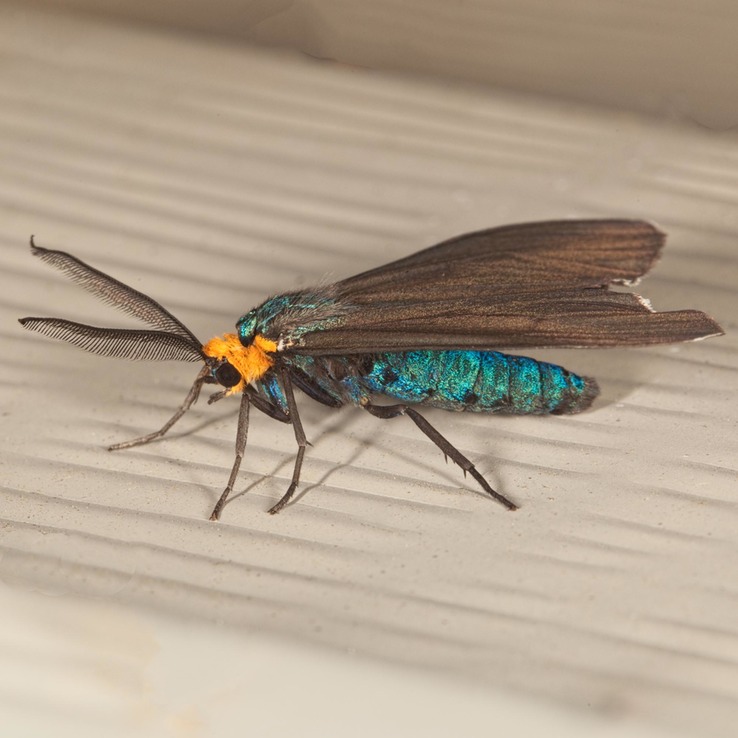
column 706, row 326
column 676, row 326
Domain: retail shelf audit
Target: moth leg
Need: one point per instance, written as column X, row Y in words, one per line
column 268, row 408
column 301, row 443
column 241, row 435
column 190, row 400
column 392, row 411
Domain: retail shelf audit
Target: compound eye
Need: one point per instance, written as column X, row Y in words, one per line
column 227, row 375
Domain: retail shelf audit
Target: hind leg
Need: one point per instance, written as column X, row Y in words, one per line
column 449, row 450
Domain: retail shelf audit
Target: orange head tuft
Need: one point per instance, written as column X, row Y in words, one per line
column 251, row 362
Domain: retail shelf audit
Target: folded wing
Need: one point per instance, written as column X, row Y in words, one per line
column 528, row 285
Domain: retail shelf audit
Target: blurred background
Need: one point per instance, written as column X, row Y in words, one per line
column 674, row 60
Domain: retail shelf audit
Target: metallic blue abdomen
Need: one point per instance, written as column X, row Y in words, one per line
column 472, row 381
column 477, row 381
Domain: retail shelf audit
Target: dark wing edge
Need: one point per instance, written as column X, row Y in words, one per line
column 522, row 257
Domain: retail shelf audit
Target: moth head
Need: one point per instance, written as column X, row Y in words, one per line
column 233, row 365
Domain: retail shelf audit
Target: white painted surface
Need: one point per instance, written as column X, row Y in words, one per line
column 211, row 176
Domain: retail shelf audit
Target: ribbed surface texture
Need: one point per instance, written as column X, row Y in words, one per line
column 211, row 176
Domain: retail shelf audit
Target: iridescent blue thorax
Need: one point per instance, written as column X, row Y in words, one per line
column 292, row 314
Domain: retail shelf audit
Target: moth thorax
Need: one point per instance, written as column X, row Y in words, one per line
column 251, row 362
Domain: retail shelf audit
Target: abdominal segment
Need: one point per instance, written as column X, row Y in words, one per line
column 461, row 380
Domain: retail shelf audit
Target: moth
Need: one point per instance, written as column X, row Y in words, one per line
column 423, row 331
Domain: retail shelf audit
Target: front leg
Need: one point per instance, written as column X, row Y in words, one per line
column 249, row 397
column 241, row 435
column 189, row 401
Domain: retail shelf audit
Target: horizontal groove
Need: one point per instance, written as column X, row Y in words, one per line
column 613, row 585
